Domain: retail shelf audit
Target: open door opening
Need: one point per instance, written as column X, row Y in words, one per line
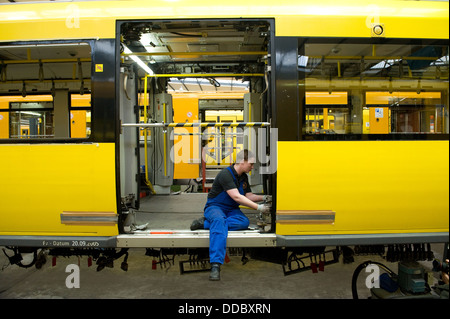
column 199, row 96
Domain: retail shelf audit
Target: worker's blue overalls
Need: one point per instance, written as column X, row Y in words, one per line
column 222, row 213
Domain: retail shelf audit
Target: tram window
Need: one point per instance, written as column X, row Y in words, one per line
column 327, row 113
column 45, row 91
column 326, row 120
column 353, row 87
column 31, row 120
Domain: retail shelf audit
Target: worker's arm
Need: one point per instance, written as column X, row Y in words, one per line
column 241, row 199
column 254, row 197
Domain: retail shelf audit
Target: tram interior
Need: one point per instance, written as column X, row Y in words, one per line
column 197, row 71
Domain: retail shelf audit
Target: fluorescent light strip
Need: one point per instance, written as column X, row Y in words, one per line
column 138, row 61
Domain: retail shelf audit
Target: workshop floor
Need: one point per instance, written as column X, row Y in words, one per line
column 254, row 280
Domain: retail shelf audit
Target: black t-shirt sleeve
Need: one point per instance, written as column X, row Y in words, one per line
column 227, row 181
column 224, row 181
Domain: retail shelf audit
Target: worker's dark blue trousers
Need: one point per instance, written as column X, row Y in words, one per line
column 222, row 213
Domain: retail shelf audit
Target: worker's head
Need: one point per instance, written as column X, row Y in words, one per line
column 245, row 160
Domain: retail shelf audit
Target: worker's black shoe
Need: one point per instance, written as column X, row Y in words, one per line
column 215, row 272
column 198, row 224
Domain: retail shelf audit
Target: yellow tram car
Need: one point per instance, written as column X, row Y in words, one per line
column 349, row 101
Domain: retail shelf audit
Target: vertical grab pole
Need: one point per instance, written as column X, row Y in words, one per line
column 147, row 181
column 165, row 145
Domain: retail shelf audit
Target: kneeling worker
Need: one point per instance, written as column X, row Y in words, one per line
column 229, row 190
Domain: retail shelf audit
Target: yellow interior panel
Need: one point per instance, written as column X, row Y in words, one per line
column 324, row 18
column 379, row 98
column 186, row 147
column 40, row 182
column 379, row 120
column 372, row 186
column 366, row 121
column 4, row 124
column 78, row 123
column 326, row 98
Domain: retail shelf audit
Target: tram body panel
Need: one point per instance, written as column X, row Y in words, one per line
column 58, row 190
column 371, row 186
column 327, row 18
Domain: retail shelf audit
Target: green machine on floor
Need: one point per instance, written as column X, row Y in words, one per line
column 409, row 283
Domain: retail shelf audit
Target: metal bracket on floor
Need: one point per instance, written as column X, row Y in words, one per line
column 162, row 255
column 198, row 261
column 300, row 260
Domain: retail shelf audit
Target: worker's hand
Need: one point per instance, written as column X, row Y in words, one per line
column 263, row 208
column 267, row 198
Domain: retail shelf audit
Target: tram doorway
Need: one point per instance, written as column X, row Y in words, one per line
column 197, row 84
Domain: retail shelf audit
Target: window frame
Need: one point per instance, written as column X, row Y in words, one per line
column 54, row 140
column 303, row 90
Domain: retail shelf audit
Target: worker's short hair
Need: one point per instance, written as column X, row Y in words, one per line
column 244, row 155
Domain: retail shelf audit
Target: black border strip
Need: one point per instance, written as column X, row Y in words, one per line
column 59, row 241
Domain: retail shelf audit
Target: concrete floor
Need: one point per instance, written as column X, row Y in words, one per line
column 254, row 280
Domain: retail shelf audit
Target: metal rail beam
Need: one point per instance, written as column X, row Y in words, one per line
column 203, row 75
column 196, row 53
column 199, row 124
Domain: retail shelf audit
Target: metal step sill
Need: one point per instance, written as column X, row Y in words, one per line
column 192, row 239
